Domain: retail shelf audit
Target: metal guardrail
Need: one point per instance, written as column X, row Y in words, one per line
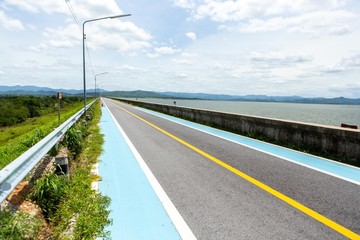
column 16, row 171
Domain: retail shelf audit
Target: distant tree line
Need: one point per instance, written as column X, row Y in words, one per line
column 16, row 109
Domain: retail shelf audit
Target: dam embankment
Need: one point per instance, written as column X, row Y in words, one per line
column 337, row 141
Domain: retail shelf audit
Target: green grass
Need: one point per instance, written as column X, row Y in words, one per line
column 17, row 139
column 9, row 133
column 17, row 109
column 18, row 225
column 82, row 203
column 48, row 192
column 71, row 207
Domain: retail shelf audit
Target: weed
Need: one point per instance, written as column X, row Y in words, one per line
column 53, row 152
column 73, row 140
column 72, row 207
column 31, row 140
column 87, row 206
column 18, row 226
column 48, row 192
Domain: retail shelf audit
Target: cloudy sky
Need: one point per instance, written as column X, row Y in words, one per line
column 279, row 47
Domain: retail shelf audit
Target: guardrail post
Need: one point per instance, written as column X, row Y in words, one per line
column 61, row 165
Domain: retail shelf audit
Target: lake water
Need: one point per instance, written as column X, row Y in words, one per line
column 325, row 114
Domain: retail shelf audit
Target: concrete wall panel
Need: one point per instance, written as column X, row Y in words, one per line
column 334, row 140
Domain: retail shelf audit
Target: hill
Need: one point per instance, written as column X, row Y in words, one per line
column 34, row 90
column 262, row 98
column 134, row 94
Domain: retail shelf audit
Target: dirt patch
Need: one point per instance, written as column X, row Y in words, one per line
column 18, row 201
column 17, row 197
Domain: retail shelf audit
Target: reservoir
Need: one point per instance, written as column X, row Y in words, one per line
column 324, row 114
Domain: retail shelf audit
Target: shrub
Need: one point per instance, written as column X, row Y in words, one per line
column 31, row 140
column 48, row 192
column 73, row 139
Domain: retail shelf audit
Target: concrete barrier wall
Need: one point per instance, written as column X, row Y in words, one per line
column 333, row 140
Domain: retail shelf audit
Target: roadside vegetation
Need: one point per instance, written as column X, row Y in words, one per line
column 82, row 204
column 16, row 139
column 18, row 226
column 17, row 109
column 71, row 209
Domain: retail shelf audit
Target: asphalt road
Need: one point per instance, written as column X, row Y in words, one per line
column 219, row 203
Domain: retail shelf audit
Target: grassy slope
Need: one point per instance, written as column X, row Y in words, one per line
column 17, row 139
column 81, row 213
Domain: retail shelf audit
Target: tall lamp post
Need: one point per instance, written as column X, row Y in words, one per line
column 95, row 79
column 84, row 36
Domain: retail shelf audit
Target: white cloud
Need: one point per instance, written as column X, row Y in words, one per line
column 34, row 6
column 329, row 22
column 121, row 36
column 340, row 30
column 158, row 51
column 152, row 55
column 1, row 72
column 68, row 36
column 304, row 16
column 37, row 48
column 347, row 64
column 10, row 23
column 129, row 68
column 277, row 59
column 181, row 75
column 166, row 50
column 185, row 58
column 88, row 9
column 346, row 69
column 185, row 3
column 352, row 62
column 191, row 35
column 221, row 11
column 84, row 9
column 115, row 34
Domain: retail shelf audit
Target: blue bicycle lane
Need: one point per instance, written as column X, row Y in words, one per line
column 136, row 210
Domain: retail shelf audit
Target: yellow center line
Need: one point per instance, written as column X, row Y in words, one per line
column 331, row 224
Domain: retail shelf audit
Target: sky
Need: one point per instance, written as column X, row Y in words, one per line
column 306, row 48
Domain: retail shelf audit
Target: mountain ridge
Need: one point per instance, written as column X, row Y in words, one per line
column 34, row 90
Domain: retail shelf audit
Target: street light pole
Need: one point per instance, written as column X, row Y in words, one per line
column 84, row 36
column 95, row 79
